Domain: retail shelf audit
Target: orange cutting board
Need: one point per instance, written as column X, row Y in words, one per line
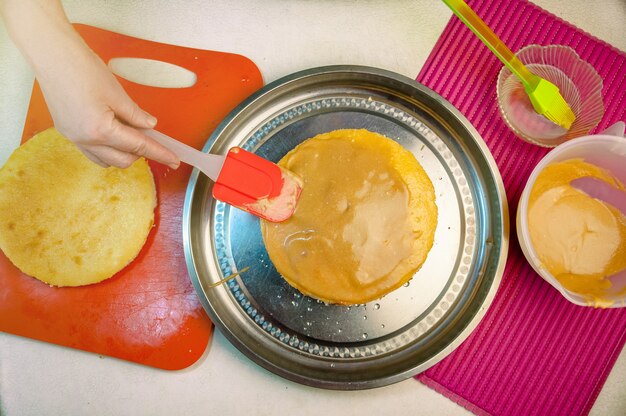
column 149, row 312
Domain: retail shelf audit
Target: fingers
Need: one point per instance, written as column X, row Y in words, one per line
column 106, row 156
column 95, row 159
column 128, row 139
column 109, row 142
column 131, row 114
column 124, row 135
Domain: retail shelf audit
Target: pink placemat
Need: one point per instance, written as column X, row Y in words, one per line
column 534, row 352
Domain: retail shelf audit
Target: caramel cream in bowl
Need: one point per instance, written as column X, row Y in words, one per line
column 579, row 240
column 571, row 219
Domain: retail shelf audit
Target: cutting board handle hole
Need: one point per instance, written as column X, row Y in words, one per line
column 152, row 73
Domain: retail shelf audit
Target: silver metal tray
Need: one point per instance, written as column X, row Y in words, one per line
column 411, row 328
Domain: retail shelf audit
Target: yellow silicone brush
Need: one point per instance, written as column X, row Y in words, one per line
column 544, row 95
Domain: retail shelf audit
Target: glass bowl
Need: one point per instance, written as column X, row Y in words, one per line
column 579, row 84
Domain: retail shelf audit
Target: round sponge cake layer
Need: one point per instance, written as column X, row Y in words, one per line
column 365, row 221
column 67, row 221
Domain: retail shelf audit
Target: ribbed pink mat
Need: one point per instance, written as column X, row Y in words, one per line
column 534, row 353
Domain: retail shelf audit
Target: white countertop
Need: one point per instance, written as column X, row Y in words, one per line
column 280, row 36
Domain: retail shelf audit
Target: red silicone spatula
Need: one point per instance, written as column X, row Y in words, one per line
column 242, row 179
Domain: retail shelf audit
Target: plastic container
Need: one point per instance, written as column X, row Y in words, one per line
column 607, row 150
column 579, row 84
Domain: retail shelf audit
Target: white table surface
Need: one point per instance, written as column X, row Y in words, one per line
column 280, row 36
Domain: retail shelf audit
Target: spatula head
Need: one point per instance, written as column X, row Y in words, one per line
column 256, row 185
column 548, row 101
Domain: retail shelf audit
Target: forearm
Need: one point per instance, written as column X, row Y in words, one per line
column 87, row 103
column 43, row 34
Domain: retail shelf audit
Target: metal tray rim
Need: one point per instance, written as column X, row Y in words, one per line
column 462, row 335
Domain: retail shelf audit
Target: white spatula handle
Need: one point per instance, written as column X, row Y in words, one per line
column 208, row 163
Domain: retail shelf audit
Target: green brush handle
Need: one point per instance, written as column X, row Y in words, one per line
column 493, row 42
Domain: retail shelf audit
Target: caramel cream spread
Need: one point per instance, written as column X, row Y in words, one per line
column 365, row 220
column 281, row 207
column 580, row 240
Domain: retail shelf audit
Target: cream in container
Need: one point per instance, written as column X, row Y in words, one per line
column 571, row 222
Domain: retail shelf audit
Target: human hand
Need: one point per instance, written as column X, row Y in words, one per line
column 87, row 103
column 91, row 108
